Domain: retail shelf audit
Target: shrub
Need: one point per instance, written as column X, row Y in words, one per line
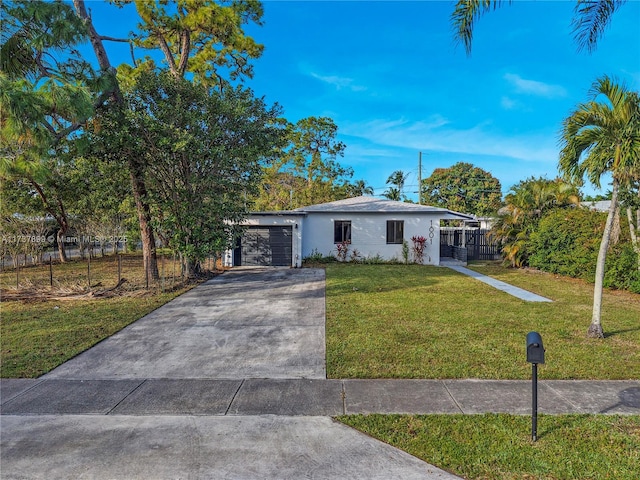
column 405, row 251
column 566, row 242
column 419, row 243
column 622, row 269
column 342, row 251
column 317, row 257
column 375, row 260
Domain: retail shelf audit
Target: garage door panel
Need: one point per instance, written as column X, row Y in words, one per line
column 267, row 246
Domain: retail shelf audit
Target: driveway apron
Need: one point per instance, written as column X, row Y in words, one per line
column 247, row 323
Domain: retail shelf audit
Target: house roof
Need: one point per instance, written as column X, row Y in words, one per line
column 378, row 205
column 279, row 213
column 600, row 206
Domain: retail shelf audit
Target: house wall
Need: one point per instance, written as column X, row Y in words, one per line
column 369, row 234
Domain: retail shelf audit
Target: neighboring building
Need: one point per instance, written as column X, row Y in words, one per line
column 373, row 227
column 599, row 206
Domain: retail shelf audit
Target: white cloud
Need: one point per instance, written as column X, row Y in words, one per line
column 533, row 87
column 339, row 82
column 507, row 103
column 477, row 140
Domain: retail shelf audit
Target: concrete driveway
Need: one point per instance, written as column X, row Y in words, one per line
column 247, row 323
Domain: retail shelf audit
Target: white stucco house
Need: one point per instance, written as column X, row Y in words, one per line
column 371, row 226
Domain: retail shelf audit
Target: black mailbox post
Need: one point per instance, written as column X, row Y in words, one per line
column 535, row 349
column 535, row 355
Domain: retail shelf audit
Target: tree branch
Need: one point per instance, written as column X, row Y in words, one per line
column 98, row 47
column 167, row 53
column 113, row 39
column 76, row 125
column 185, row 50
column 44, row 199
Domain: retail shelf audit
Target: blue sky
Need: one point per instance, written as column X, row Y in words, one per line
column 395, row 83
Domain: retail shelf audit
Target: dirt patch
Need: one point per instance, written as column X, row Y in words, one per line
column 33, row 294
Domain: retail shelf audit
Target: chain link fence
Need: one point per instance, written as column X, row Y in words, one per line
column 122, row 271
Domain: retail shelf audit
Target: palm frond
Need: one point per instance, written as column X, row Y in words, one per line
column 464, row 16
column 591, row 18
column 603, row 134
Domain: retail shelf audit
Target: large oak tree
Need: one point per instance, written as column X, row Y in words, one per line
column 463, row 188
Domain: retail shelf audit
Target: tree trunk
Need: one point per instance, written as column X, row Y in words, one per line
column 60, row 218
column 191, row 267
column 98, row 47
column 616, row 230
column 595, row 329
column 633, row 230
column 60, row 237
column 135, row 170
column 149, row 257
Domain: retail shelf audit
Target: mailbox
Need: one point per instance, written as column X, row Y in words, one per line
column 535, row 349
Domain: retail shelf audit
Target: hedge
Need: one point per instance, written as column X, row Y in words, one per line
column 566, row 242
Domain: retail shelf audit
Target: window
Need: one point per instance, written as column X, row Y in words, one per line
column 395, row 231
column 341, row 231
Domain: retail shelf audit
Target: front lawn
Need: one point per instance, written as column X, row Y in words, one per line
column 410, row 321
column 499, row 447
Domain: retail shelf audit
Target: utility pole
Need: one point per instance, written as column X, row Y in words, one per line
column 419, row 178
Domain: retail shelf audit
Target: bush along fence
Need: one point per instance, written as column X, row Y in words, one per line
column 125, row 271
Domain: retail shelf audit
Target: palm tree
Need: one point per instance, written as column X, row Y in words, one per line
column 525, row 204
column 359, row 188
column 602, row 137
column 392, row 193
column 396, row 179
column 591, row 18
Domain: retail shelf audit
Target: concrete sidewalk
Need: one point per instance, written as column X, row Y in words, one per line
column 312, row 397
column 252, row 428
column 199, row 447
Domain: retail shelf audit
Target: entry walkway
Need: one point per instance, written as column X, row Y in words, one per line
column 500, row 285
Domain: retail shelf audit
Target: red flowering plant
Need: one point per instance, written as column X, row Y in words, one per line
column 419, row 244
column 342, row 250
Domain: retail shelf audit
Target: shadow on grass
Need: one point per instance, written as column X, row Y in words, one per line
column 619, row 332
column 566, row 422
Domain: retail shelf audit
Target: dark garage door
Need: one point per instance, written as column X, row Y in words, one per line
column 266, row 246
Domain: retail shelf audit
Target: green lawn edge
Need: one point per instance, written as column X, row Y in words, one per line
column 499, row 446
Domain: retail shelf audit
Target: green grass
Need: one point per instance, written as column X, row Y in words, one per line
column 410, row 321
column 36, row 337
column 494, row 446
